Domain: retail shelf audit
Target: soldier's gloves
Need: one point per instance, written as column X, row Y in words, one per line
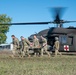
column 44, row 45
column 31, row 44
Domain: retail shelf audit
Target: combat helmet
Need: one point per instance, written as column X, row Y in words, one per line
column 56, row 38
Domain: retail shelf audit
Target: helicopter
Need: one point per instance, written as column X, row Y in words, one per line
column 67, row 36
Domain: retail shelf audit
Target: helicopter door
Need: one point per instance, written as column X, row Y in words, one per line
column 63, row 42
column 70, row 43
column 51, row 40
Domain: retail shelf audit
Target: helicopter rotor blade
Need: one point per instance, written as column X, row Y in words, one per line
column 27, row 23
column 68, row 21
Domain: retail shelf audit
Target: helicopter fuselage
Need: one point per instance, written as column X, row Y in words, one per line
column 67, row 38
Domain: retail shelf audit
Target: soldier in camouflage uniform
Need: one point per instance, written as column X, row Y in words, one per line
column 56, row 46
column 15, row 43
column 25, row 46
column 36, row 45
column 44, row 46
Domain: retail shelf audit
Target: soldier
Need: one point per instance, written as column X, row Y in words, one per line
column 44, row 46
column 25, row 46
column 36, row 44
column 56, row 46
column 15, row 43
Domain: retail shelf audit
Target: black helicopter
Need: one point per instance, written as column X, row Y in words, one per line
column 67, row 36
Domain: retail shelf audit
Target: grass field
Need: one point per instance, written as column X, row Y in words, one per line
column 61, row 65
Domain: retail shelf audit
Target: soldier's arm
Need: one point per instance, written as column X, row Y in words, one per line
column 45, row 41
column 17, row 42
column 28, row 42
column 58, row 45
column 22, row 45
column 55, row 45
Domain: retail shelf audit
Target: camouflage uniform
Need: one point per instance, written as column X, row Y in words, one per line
column 36, row 43
column 44, row 47
column 56, row 46
column 36, row 46
column 25, row 47
column 15, row 42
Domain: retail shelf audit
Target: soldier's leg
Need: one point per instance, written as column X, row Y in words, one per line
column 42, row 50
column 27, row 50
column 56, row 52
column 35, row 51
column 59, row 53
column 14, row 51
column 24, row 52
column 47, row 51
column 19, row 53
column 38, row 52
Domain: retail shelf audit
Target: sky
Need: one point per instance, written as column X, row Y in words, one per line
column 34, row 11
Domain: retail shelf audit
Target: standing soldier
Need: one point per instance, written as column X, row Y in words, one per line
column 44, row 46
column 36, row 44
column 15, row 43
column 25, row 46
column 56, row 46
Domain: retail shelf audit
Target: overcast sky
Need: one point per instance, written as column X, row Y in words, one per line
column 34, row 11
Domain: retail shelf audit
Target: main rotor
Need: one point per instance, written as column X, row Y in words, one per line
column 57, row 15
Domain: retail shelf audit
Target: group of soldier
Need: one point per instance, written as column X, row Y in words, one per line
column 23, row 49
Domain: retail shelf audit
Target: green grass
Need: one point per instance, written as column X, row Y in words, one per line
column 64, row 65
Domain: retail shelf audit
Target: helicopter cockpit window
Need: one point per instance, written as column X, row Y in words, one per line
column 63, row 39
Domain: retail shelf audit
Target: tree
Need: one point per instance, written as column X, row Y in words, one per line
column 4, row 28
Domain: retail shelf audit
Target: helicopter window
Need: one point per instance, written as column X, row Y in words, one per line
column 70, row 40
column 63, row 39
